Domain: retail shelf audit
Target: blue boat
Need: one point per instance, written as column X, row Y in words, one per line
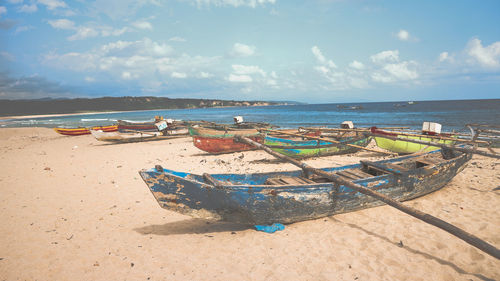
column 287, row 197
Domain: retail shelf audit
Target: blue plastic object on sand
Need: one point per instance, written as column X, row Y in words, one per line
column 270, row 228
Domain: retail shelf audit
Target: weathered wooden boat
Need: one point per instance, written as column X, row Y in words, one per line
column 84, row 131
column 404, row 147
column 222, row 141
column 124, row 137
column 118, row 137
column 216, row 141
column 297, row 148
column 136, row 126
column 286, row 197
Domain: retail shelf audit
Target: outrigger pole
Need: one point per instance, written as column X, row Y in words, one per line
column 462, row 234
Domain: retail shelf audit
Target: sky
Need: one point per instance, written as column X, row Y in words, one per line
column 314, row 51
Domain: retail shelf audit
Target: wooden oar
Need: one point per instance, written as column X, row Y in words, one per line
column 329, row 140
column 461, row 149
column 465, row 236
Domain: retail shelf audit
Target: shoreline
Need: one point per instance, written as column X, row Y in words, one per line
column 18, row 117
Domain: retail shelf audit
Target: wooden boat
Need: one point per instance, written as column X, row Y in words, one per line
column 297, row 148
column 286, row 197
column 124, row 137
column 136, row 126
column 218, row 141
column 84, row 131
column 404, row 147
column 138, row 136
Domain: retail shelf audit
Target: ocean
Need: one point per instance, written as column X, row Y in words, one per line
column 452, row 114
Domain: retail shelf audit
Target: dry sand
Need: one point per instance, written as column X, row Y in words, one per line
column 72, row 208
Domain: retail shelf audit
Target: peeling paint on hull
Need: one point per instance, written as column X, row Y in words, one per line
column 249, row 200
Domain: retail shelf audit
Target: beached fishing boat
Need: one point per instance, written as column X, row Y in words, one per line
column 84, row 131
column 404, row 147
column 222, row 141
column 287, row 197
column 136, row 126
column 138, row 136
column 298, row 148
column 124, row 137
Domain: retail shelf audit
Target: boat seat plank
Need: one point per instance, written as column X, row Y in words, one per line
column 348, row 175
column 359, row 173
column 288, row 181
column 386, row 167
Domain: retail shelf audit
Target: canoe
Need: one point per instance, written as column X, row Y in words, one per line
column 138, row 136
column 287, row 197
column 124, row 137
column 136, row 126
column 404, row 147
column 298, row 149
column 218, row 141
column 84, row 131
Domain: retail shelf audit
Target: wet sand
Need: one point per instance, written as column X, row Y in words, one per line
column 74, row 208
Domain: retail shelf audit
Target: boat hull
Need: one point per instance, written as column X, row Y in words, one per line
column 84, row 131
column 313, row 148
column 250, row 199
column 218, row 145
column 404, row 147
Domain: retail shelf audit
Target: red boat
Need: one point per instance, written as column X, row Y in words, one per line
column 217, row 141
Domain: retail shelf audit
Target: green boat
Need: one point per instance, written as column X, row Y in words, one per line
column 403, row 147
column 313, row 148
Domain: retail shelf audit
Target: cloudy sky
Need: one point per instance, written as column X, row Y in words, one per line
column 311, row 51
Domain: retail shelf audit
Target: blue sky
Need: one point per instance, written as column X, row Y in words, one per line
column 310, row 51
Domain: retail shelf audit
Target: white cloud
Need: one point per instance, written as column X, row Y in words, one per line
column 319, row 56
column 403, row 35
column 488, row 56
column 8, row 56
column 53, row 4
column 247, row 69
column 177, row 39
column 142, row 25
column 24, row 28
column 83, row 32
column 28, row 8
column 357, row 65
column 62, row 24
column 3, row 10
column 89, row 79
column 443, row 56
column 242, row 50
column 234, row 3
column 240, row 78
column 178, row 75
column 385, row 57
column 150, row 64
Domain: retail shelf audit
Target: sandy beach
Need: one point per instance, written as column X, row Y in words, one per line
column 74, row 208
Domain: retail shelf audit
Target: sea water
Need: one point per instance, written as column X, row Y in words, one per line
column 453, row 115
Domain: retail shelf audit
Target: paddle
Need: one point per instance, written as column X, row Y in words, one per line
column 465, row 236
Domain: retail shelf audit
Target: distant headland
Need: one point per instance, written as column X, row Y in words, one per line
column 106, row 104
